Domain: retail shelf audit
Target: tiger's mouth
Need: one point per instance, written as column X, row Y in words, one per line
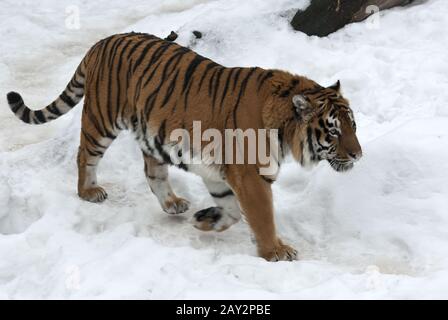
column 340, row 165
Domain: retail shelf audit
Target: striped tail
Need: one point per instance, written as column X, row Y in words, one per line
column 71, row 96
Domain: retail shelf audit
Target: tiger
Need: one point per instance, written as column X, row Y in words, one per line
column 151, row 87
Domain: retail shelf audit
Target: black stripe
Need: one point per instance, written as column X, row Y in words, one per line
column 318, row 134
column 309, row 134
column 268, row 180
column 152, row 97
column 53, row 108
column 161, row 134
column 170, row 90
column 222, row 194
column 216, row 86
column 80, row 73
column 150, row 149
column 92, row 140
column 155, row 178
column 188, row 76
column 94, row 153
column 146, row 168
column 75, row 84
column 26, row 115
column 144, row 52
column 158, row 53
column 159, row 141
column 134, row 122
column 182, row 166
column 118, row 100
column 266, row 76
column 237, row 77
column 241, row 93
column 190, row 70
column 226, row 86
column 322, row 124
column 67, row 100
column 204, row 74
column 15, row 108
column 332, row 113
column 94, row 120
column 113, row 50
column 134, row 48
column 139, row 86
column 40, row 116
column 301, row 152
column 178, row 55
column 281, row 138
column 71, row 88
column 210, row 82
column 313, row 90
column 142, row 121
column 97, row 58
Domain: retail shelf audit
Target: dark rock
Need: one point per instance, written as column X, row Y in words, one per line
column 172, row 36
column 197, row 34
column 323, row 17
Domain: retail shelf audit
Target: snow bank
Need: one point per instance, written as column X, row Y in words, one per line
column 379, row 231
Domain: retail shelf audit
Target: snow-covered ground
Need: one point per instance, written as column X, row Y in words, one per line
column 379, row 231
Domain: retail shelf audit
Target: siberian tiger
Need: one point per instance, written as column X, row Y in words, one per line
column 151, row 87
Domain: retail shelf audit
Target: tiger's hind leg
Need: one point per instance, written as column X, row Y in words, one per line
column 224, row 215
column 157, row 176
column 91, row 150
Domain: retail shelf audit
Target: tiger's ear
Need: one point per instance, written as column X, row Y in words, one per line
column 336, row 87
column 302, row 107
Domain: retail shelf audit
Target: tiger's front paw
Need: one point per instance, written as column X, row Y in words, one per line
column 176, row 205
column 280, row 252
column 95, row 194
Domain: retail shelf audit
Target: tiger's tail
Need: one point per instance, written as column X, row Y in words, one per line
column 69, row 98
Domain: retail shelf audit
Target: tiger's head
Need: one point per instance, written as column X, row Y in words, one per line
column 327, row 129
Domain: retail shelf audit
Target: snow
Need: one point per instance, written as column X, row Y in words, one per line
column 379, row 231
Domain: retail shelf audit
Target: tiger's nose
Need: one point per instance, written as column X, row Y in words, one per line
column 355, row 156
